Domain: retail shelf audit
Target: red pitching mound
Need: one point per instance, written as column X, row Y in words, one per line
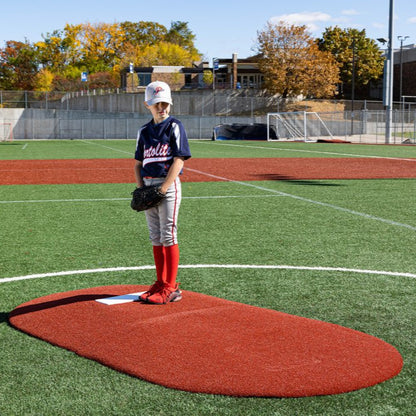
column 210, row 345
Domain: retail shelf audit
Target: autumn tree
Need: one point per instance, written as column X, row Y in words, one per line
column 97, row 49
column 53, row 51
column 43, row 80
column 60, row 54
column 98, row 45
column 103, row 80
column 18, row 66
column 165, row 53
column 292, row 63
column 350, row 46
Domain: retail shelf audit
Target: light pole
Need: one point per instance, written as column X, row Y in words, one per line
column 388, row 74
column 353, row 86
column 388, row 94
column 401, row 39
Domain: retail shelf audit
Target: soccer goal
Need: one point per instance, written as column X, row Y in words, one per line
column 302, row 126
column 6, row 132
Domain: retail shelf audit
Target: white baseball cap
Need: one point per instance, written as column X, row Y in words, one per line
column 157, row 92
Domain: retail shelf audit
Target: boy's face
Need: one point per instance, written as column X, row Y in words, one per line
column 160, row 111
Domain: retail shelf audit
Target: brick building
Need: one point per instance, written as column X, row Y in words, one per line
column 177, row 77
column 231, row 74
column 237, row 73
column 407, row 59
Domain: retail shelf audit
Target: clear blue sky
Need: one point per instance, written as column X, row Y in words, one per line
column 221, row 27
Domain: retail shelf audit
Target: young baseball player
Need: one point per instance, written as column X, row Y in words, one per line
column 161, row 149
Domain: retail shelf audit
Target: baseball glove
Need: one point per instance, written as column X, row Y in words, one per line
column 146, row 197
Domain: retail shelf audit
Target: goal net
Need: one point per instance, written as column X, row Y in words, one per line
column 6, row 132
column 301, row 126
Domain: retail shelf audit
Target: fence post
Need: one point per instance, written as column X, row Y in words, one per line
column 414, row 127
column 304, row 126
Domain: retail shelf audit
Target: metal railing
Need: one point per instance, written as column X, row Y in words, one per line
column 201, row 102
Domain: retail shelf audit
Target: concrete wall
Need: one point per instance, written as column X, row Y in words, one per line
column 33, row 124
column 185, row 102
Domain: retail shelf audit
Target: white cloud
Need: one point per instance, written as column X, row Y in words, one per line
column 412, row 20
column 378, row 25
column 309, row 19
column 302, row 18
column 350, row 12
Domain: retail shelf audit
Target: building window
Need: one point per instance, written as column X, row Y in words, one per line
column 144, row 78
column 188, row 80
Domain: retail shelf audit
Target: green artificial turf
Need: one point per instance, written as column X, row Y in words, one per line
column 366, row 225
column 93, row 149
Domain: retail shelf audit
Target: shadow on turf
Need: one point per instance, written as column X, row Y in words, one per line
column 4, row 317
column 30, row 308
column 294, row 181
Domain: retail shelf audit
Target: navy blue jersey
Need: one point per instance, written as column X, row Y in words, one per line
column 158, row 144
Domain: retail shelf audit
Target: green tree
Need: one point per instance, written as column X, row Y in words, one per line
column 143, row 33
column 292, row 63
column 348, row 45
column 180, row 34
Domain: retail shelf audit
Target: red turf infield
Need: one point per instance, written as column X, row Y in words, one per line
column 16, row 172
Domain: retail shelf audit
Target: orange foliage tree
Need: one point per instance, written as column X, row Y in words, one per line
column 102, row 50
column 292, row 63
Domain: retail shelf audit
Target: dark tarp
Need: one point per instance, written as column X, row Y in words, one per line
column 236, row 131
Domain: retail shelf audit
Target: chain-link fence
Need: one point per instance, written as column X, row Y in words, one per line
column 359, row 126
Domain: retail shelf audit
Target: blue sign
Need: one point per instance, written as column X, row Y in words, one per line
column 84, row 76
column 216, row 64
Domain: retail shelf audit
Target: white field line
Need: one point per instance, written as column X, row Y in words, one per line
column 34, row 201
column 311, row 201
column 108, row 147
column 364, row 215
column 211, row 266
column 268, row 148
column 273, row 193
column 314, row 151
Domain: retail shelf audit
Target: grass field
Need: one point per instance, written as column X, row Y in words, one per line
column 352, row 242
